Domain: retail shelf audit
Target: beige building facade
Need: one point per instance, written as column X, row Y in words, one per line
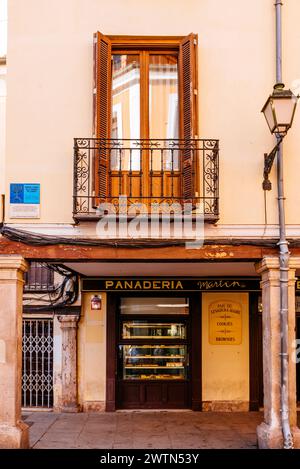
column 144, row 308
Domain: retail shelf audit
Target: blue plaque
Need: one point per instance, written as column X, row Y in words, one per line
column 24, row 193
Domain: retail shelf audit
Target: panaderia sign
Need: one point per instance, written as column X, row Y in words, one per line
column 170, row 284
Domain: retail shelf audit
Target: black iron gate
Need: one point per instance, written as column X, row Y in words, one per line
column 37, row 373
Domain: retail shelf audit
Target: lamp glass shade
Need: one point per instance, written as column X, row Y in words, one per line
column 279, row 110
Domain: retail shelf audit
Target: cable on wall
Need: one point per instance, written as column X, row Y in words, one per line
column 34, row 239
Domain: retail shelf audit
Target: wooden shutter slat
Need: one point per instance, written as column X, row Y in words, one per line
column 102, row 111
column 188, row 114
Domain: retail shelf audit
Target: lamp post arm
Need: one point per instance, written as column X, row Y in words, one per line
column 268, row 163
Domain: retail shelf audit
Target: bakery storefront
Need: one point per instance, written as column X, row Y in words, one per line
column 173, row 343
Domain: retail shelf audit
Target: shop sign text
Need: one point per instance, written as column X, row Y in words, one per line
column 225, row 323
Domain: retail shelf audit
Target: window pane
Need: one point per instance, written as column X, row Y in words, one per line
column 125, row 109
column 149, row 330
column 154, row 305
column 163, row 106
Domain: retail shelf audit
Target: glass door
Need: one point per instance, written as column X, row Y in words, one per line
column 153, row 352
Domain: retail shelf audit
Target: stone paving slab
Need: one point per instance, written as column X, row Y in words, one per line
column 139, row 429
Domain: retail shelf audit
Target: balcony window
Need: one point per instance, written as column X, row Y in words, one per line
column 138, row 86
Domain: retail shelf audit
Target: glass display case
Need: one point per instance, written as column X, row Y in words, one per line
column 156, row 362
column 143, row 329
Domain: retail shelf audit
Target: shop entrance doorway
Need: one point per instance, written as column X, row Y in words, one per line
column 155, row 352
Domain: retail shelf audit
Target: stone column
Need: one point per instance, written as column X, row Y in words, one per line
column 68, row 324
column 13, row 432
column 269, row 432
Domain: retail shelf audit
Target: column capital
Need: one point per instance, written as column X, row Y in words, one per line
column 11, row 267
column 267, row 263
column 269, row 268
column 68, row 320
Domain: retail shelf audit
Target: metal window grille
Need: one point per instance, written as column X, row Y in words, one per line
column 39, row 278
column 37, row 373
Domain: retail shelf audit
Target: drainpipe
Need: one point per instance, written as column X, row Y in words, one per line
column 284, row 257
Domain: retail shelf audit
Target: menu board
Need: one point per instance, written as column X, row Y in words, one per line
column 225, row 323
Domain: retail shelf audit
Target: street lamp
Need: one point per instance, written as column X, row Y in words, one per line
column 279, row 111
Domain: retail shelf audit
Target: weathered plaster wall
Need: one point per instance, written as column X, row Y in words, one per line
column 92, row 355
column 225, row 368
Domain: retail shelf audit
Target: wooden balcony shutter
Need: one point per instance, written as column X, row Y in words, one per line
column 102, row 110
column 188, row 110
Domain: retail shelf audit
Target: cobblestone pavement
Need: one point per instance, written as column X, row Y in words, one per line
column 143, row 429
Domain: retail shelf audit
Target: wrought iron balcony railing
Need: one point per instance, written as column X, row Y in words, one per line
column 147, row 173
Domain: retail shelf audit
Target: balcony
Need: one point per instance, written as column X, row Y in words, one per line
column 145, row 175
